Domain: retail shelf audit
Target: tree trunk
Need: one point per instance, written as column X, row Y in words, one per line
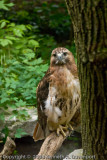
column 89, row 20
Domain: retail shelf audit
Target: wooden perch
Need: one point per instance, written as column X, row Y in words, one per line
column 8, row 149
column 53, row 142
column 50, row 146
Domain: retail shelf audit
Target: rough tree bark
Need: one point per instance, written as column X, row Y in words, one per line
column 8, row 149
column 50, row 146
column 89, row 20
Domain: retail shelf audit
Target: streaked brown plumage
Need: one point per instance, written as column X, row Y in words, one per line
column 58, row 95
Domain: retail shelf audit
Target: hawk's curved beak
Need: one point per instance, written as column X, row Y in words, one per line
column 60, row 59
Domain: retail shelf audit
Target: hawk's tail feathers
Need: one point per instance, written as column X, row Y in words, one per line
column 38, row 133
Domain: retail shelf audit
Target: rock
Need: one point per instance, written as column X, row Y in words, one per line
column 13, row 124
column 76, row 154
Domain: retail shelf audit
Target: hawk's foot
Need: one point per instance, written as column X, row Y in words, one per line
column 63, row 129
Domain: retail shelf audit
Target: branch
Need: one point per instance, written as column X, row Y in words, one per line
column 50, row 146
column 8, row 149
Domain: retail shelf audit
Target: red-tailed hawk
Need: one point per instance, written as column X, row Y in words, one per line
column 58, row 96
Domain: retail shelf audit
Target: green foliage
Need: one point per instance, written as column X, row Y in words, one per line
column 74, row 138
column 19, row 133
column 15, row 152
column 5, row 6
column 50, row 18
column 51, row 24
column 20, row 71
column 53, row 18
column 5, row 131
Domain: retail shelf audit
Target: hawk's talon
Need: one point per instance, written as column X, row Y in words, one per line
column 57, row 132
column 72, row 133
column 62, row 129
column 69, row 129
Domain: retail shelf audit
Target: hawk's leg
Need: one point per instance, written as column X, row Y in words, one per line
column 63, row 129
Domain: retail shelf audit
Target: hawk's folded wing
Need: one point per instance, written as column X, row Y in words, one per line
column 42, row 95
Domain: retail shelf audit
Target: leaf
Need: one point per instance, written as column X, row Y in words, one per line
column 10, row 4
column 4, row 99
column 13, row 106
column 13, row 85
column 7, row 82
column 16, row 62
column 20, row 103
column 36, row 61
column 15, row 112
column 21, row 27
column 33, row 43
column 3, row 24
column 25, row 51
column 24, row 112
column 19, row 133
column 11, row 117
column 17, row 32
column 15, row 152
column 4, row 20
column 2, row 117
column 5, row 131
column 3, row 6
column 1, row 70
column 29, row 56
column 44, row 67
column 29, row 27
column 11, row 37
column 19, row 46
column 5, row 42
column 11, row 25
column 10, row 91
column 15, row 99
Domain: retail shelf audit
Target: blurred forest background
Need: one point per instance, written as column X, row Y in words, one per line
column 29, row 31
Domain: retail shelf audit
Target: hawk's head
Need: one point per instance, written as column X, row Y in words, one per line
column 61, row 56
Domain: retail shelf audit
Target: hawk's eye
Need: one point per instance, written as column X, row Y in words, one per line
column 54, row 54
column 65, row 53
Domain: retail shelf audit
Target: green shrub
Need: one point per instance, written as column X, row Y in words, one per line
column 49, row 17
column 20, row 71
